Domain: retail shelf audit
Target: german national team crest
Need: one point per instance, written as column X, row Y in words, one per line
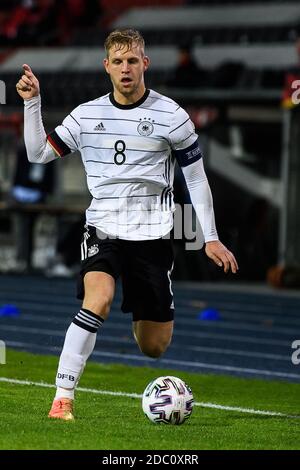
column 93, row 250
column 145, row 127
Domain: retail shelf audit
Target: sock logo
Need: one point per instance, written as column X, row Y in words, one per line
column 66, row 376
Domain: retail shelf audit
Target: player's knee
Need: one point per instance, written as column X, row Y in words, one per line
column 155, row 349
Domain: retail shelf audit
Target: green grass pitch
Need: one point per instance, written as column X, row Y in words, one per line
column 110, row 422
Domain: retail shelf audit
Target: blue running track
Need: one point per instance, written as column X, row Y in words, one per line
column 252, row 338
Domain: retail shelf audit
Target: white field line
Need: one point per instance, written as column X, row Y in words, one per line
column 136, row 395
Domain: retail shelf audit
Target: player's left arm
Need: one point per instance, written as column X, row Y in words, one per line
column 202, row 201
column 188, row 153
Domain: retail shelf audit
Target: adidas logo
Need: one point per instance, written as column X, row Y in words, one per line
column 100, row 127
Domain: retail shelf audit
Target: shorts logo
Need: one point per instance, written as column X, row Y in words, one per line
column 145, row 127
column 93, row 250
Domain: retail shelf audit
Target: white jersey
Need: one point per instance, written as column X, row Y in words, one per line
column 129, row 154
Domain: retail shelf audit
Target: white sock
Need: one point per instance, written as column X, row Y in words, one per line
column 79, row 344
column 64, row 393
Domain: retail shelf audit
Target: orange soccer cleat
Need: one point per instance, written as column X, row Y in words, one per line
column 62, row 408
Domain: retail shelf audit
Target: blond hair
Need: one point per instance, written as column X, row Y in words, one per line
column 124, row 38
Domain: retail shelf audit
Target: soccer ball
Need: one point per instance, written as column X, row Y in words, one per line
column 168, row 400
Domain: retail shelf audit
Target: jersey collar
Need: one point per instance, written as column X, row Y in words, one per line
column 129, row 106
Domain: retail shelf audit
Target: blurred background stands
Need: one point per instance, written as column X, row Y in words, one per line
column 242, row 52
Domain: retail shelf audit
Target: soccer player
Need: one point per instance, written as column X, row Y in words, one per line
column 129, row 140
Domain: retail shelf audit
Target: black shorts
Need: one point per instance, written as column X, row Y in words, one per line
column 144, row 266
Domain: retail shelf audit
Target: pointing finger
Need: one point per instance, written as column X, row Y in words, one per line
column 27, row 70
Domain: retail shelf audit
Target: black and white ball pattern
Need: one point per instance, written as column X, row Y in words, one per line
column 168, row 400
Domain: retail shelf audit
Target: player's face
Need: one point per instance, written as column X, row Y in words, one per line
column 126, row 68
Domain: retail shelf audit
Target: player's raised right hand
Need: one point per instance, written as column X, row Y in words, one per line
column 28, row 86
